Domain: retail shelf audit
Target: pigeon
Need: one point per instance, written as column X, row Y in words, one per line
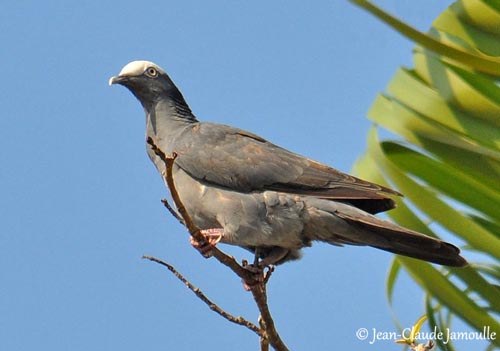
column 243, row 190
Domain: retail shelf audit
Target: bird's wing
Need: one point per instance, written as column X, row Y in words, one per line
column 242, row 161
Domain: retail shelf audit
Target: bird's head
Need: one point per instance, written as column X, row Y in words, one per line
column 149, row 83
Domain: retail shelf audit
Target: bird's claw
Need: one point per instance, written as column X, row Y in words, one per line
column 252, row 267
column 212, row 237
column 259, row 274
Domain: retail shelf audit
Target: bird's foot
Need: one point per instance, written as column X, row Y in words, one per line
column 259, row 274
column 252, row 267
column 212, row 237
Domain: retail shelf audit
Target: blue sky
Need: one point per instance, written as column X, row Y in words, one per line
column 80, row 201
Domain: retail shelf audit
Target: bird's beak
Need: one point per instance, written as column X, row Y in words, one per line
column 116, row 80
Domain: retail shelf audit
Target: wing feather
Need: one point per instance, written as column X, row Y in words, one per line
column 242, row 161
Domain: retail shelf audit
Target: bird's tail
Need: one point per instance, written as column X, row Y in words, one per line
column 338, row 223
column 409, row 243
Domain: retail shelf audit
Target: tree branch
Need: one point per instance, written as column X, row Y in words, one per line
column 172, row 211
column 257, row 283
column 213, row 306
column 259, row 293
column 264, row 342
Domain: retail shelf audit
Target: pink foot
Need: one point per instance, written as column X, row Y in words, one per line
column 212, row 236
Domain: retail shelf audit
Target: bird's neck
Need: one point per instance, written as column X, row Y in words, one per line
column 167, row 117
column 165, row 123
column 174, row 107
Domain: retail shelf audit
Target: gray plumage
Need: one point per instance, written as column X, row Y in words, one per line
column 264, row 197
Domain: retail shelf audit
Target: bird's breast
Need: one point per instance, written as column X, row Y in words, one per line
column 249, row 219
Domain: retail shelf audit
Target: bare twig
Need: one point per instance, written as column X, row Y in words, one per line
column 213, row 306
column 257, row 283
column 172, row 211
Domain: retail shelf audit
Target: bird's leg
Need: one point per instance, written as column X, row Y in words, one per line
column 256, row 257
column 258, row 268
column 254, row 267
column 212, row 237
column 275, row 255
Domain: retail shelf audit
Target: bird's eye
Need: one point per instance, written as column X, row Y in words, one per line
column 152, row 72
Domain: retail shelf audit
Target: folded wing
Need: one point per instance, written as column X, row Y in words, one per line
column 244, row 162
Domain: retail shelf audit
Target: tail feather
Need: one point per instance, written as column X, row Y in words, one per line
column 339, row 223
column 416, row 245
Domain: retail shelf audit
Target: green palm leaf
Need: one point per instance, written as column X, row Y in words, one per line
column 446, row 112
